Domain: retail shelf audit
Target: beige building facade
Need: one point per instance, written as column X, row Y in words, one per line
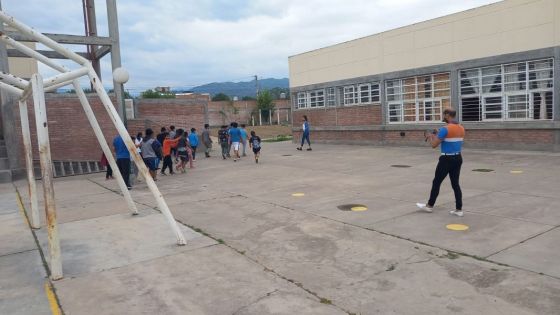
column 498, row 65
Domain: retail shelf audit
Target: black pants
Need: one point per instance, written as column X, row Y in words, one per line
column 448, row 164
column 193, row 147
column 167, row 163
column 124, row 168
column 109, row 172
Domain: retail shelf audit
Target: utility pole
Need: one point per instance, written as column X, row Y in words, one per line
column 257, row 86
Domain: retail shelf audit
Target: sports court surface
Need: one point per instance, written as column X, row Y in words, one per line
column 271, row 238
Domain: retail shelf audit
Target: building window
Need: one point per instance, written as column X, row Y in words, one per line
column 350, row 95
column 317, row 98
column 418, row 99
column 331, row 97
column 301, row 100
column 517, row 91
column 369, row 93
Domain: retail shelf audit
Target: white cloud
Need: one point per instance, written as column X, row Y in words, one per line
column 182, row 43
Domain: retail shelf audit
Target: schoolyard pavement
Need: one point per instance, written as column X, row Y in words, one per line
column 280, row 237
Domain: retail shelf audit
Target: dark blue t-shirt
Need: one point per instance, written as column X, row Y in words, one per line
column 120, row 148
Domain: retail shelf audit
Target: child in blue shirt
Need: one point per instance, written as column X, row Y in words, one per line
column 193, row 139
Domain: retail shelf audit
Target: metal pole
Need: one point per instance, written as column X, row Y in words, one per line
column 270, row 117
column 260, row 117
column 46, row 170
column 104, row 146
column 162, row 205
column 113, row 24
column 278, row 116
column 31, row 185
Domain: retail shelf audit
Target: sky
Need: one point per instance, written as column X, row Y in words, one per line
column 185, row 43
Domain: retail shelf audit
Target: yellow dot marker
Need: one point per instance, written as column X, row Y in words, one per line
column 358, row 208
column 457, row 227
column 516, row 172
column 298, row 194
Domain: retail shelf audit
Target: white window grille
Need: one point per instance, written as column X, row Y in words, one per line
column 302, row 100
column 350, row 95
column 368, row 93
column 331, row 97
column 317, row 98
column 417, row 99
column 516, row 91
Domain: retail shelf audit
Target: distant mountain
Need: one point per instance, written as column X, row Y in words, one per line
column 240, row 89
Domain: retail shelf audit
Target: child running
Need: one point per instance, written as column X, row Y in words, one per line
column 182, row 153
column 234, row 140
column 168, row 145
column 223, row 138
column 255, row 144
column 193, row 139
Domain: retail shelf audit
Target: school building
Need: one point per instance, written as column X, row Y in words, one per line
column 498, row 65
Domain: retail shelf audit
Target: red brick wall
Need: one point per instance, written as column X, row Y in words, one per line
column 368, row 115
column 540, row 139
column 181, row 113
column 70, row 134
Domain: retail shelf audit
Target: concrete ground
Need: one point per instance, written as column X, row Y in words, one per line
column 255, row 248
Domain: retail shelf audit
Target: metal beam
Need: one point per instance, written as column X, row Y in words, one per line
column 47, row 53
column 102, row 51
column 113, row 25
column 65, row 39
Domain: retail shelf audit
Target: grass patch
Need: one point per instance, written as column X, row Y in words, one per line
column 279, row 138
column 221, row 241
column 325, row 301
column 451, row 255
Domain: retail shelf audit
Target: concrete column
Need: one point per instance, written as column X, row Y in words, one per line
column 454, row 89
column 383, row 101
column 556, row 92
column 113, row 24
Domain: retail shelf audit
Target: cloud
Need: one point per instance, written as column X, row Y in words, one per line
column 186, row 43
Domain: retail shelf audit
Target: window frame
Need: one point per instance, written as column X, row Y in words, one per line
column 509, row 79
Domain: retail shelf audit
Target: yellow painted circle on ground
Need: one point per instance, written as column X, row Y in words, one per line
column 298, row 194
column 457, row 227
column 516, row 172
column 358, row 208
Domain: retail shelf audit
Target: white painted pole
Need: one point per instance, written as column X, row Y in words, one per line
column 13, row 80
column 46, row 169
column 260, row 117
column 278, row 116
column 65, row 77
column 270, row 117
column 11, row 89
column 31, row 185
column 162, row 205
column 104, row 146
column 26, row 30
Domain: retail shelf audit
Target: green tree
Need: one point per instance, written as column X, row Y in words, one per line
column 247, row 98
column 155, row 94
column 220, row 97
column 265, row 103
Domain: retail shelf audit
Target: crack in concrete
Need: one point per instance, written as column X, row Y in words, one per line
column 255, row 301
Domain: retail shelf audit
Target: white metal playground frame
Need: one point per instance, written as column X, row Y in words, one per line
column 37, row 87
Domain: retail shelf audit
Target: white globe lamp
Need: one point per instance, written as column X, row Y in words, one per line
column 120, row 75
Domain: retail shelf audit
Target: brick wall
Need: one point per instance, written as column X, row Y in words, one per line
column 367, row 115
column 224, row 112
column 70, row 134
column 183, row 113
column 529, row 139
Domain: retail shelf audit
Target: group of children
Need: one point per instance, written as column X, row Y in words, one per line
column 179, row 146
column 233, row 137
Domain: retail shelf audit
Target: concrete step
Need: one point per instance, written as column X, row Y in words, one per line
column 4, row 163
column 3, row 151
column 5, row 176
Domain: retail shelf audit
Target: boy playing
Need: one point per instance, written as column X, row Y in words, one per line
column 168, row 145
column 255, row 144
column 223, row 138
column 234, row 140
column 193, row 140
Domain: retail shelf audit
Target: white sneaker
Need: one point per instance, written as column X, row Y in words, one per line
column 458, row 213
column 424, row 207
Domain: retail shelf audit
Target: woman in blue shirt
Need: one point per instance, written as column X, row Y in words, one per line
column 305, row 135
